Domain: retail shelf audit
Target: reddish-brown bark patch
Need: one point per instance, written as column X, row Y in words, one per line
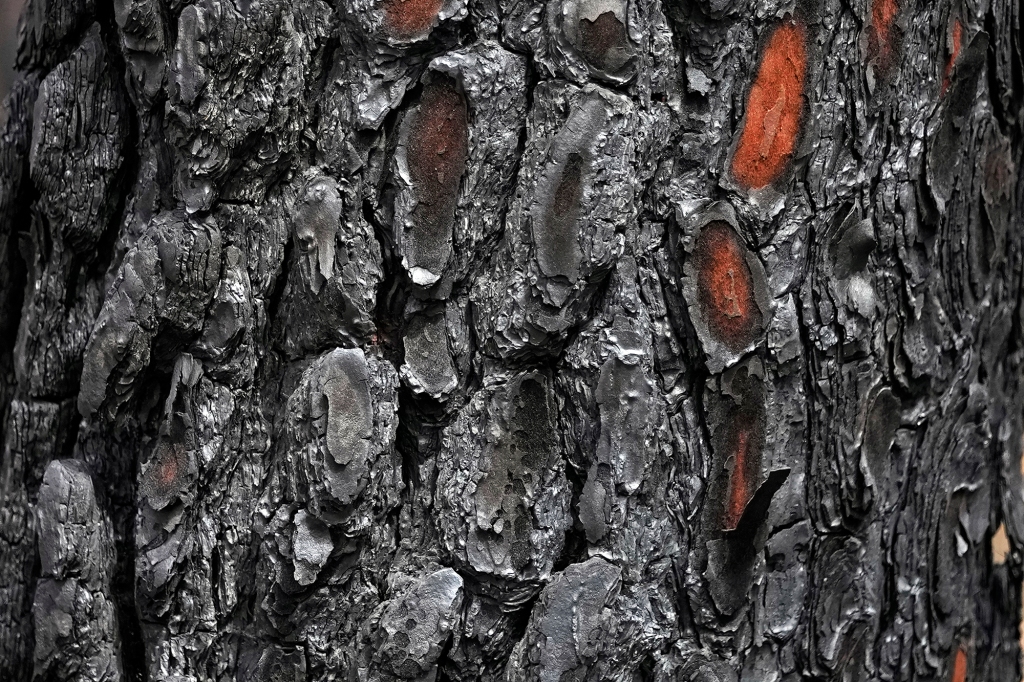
column 739, row 444
column 167, row 472
column 774, row 110
column 410, row 18
column 725, row 286
column 603, row 41
column 165, row 475
column 437, row 149
column 958, row 31
column 883, row 14
column 959, row 666
column 739, row 482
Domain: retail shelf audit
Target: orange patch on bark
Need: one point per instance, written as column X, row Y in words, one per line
column 774, row 110
column 958, row 31
column 739, row 484
column 725, row 285
column 409, row 18
column 883, row 12
column 438, row 145
column 959, row 666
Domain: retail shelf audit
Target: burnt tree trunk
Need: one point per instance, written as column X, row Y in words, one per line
column 510, row 340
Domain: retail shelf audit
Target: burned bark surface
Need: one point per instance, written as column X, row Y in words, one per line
column 507, row 340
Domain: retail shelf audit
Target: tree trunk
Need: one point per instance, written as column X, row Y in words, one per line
column 507, row 340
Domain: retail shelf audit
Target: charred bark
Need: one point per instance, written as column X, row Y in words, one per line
column 507, row 340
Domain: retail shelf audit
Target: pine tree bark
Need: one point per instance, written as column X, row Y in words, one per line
column 506, row 340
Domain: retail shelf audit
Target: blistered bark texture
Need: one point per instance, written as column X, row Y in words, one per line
column 547, row 340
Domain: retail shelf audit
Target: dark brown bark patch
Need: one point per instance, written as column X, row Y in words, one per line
column 603, row 41
column 558, row 249
column 725, row 286
column 410, row 18
column 438, row 146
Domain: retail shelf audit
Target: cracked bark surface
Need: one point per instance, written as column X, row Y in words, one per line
column 505, row 340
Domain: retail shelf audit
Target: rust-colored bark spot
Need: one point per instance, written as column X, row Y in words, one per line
column 739, row 483
column 603, row 41
column 774, row 110
column 437, row 149
column 725, row 286
column 739, row 443
column 959, row 666
column 883, row 13
column 165, row 475
column 410, row 18
column 167, row 472
column 958, row 31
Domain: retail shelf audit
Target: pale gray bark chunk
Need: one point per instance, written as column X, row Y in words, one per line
column 501, row 491
column 565, row 631
column 415, row 628
column 76, row 626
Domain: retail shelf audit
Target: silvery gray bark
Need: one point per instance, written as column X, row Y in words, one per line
column 507, row 340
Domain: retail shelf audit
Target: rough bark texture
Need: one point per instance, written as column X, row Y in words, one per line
column 508, row 340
